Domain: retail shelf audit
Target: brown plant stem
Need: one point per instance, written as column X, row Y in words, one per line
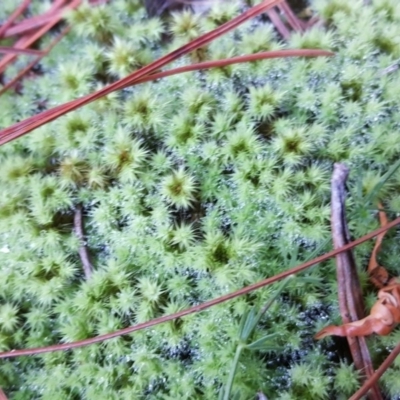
column 378, row 275
column 264, row 55
column 16, row 50
column 7, row 137
column 278, row 23
column 351, row 302
column 377, row 374
column 37, row 21
column 83, row 251
column 27, row 40
column 203, row 306
column 291, row 18
column 23, row 127
column 13, row 17
column 24, row 71
column 30, row 24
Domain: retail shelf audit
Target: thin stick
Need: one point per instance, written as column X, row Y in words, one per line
column 27, row 40
column 378, row 275
column 192, row 67
column 13, row 17
column 349, row 289
column 83, row 251
column 203, row 306
column 377, row 374
column 36, row 21
column 19, row 129
column 264, row 55
column 27, row 125
column 279, row 25
column 390, row 69
column 16, row 50
column 295, row 23
column 46, row 51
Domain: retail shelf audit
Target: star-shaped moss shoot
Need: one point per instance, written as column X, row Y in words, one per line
column 179, row 189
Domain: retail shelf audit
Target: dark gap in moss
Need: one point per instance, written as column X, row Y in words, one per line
column 352, row 90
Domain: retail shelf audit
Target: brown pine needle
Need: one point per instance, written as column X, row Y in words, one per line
column 13, row 17
column 378, row 275
column 83, row 250
column 25, row 41
column 377, row 374
column 295, row 23
column 203, row 306
column 351, row 302
column 278, row 23
column 23, row 127
column 234, row 60
column 16, row 50
column 35, row 61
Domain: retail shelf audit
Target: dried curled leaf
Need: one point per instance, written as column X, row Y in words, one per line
column 378, row 274
column 384, row 316
column 385, row 313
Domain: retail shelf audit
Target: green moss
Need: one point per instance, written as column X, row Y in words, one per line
column 192, row 186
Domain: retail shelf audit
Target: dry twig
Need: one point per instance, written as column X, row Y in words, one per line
column 378, row 274
column 83, row 251
column 35, row 61
column 203, row 306
column 377, row 374
column 29, row 124
column 13, row 17
column 390, row 69
column 349, row 290
column 385, row 313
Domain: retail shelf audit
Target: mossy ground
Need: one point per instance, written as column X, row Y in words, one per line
column 193, row 186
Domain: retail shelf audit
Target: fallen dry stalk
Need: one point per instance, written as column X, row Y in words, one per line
column 25, row 41
column 13, row 17
column 35, row 61
column 27, row 125
column 377, row 374
column 351, row 302
column 378, row 274
column 23, row 127
column 385, row 313
column 83, row 250
column 203, row 306
column 264, row 55
column 16, row 50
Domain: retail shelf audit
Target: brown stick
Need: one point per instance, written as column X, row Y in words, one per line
column 83, row 251
column 279, row 25
column 15, row 50
column 27, row 125
column 25, row 41
column 378, row 274
column 203, row 306
column 294, row 22
column 35, row 61
column 13, row 17
column 377, row 374
column 349, row 290
column 263, row 55
column 390, row 69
